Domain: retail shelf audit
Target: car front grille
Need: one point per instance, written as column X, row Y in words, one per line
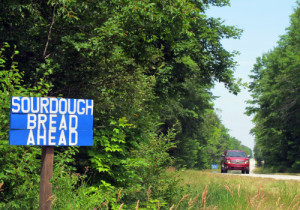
column 237, row 161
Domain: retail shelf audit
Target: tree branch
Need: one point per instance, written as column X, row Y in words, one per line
column 49, row 33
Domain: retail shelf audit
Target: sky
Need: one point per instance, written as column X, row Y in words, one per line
column 263, row 22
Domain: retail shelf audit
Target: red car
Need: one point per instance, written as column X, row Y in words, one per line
column 235, row 160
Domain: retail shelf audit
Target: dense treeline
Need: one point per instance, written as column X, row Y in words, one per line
column 276, row 102
column 149, row 66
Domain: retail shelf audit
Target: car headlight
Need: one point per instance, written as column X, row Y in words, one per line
column 247, row 161
column 228, row 161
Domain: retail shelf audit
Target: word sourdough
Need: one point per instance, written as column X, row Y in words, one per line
column 51, row 121
column 52, row 106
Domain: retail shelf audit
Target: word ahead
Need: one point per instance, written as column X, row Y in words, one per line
column 51, row 122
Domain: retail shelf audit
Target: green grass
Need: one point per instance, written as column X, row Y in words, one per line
column 206, row 190
column 261, row 170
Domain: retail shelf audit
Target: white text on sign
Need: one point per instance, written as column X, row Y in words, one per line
column 51, row 121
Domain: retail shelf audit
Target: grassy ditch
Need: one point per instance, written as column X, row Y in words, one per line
column 206, row 190
column 261, row 170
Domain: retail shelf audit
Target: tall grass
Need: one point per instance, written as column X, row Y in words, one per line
column 262, row 170
column 206, row 191
column 221, row 191
column 197, row 190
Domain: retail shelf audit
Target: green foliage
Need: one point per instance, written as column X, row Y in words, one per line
column 151, row 187
column 18, row 165
column 149, row 162
column 110, row 151
column 275, row 91
column 19, row 177
column 70, row 189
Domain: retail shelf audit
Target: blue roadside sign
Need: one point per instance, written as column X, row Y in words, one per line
column 214, row 166
column 51, row 121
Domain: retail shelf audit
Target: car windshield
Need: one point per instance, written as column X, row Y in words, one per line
column 236, row 154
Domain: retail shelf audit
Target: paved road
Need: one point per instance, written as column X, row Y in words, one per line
column 278, row 177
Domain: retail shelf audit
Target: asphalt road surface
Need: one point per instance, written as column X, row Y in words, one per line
column 273, row 176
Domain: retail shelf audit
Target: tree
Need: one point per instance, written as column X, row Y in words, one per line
column 275, row 89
